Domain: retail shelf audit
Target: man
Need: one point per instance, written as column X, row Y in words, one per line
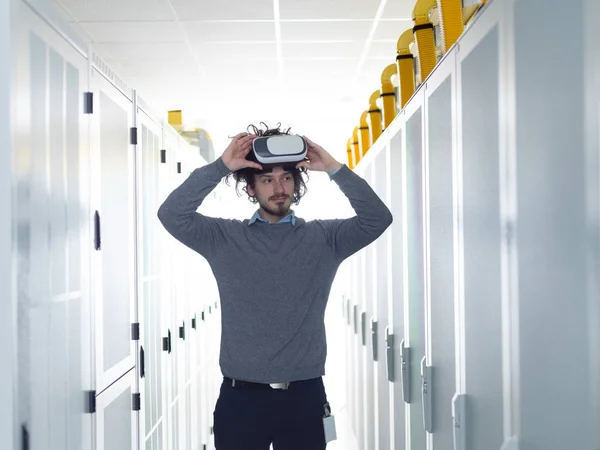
column 274, row 274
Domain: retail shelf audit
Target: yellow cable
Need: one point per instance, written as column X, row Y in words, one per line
column 404, row 64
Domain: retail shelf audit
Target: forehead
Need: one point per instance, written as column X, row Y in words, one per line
column 276, row 171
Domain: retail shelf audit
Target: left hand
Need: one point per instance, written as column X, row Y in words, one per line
column 318, row 159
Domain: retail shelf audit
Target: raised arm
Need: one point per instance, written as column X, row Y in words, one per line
column 178, row 213
column 372, row 218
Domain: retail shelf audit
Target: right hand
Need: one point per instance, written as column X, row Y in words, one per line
column 235, row 154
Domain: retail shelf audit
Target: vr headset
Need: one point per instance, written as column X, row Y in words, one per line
column 285, row 150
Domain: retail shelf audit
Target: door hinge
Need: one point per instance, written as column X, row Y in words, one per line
column 405, row 371
column 182, row 331
column 97, row 232
column 374, row 326
column 142, row 362
column 458, row 421
column 24, row 437
column 363, row 328
column 355, row 317
column 348, row 313
column 178, row 167
column 167, row 343
column 194, row 322
column 88, row 103
column 90, row 402
column 135, row 331
column 163, row 156
column 389, row 355
column 136, row 400
column 426, row 380
column 133, row 136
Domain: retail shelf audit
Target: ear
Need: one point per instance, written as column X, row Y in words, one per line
column 250, row 191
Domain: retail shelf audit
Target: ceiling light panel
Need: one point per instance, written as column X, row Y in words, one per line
column 134, row 32
column 330, row 50
column 229, row 31
column 398, row 9
column 349, row 30
column 164, row 52
column 328, row 9
column 382, row 50
column 120, row 11
column 391, row 29
column 194, row 10
column 250, row 52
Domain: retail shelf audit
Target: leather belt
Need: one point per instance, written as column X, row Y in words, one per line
column 251, row 384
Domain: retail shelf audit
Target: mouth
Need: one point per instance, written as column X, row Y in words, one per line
column 279, row 199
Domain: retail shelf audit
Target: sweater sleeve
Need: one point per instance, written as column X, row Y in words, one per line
column 347, row 236
column 178, row 213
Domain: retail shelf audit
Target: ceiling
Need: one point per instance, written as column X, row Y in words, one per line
column 310, row 64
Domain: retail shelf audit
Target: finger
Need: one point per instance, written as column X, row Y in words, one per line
column 253, row 165
column 309, row 142
column 303, row 164
column 239, row 136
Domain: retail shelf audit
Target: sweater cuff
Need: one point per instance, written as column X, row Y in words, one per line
column 333, row 174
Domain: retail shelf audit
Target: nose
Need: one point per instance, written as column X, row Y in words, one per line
column 278, row 187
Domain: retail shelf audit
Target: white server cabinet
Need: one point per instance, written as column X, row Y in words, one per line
column 355, row 348
column 364, row 364
column 370, row 314
column 116, row 421
column 553, row 235
column 52, row 245
column 151, row 280
column 380, row 324
column 170, row 323
column 113, row 202
column 441, row 310
column 412, row 173
column 592, row 164
column 478, row 186
column 401, row 366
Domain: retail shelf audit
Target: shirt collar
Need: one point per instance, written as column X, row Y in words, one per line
column 291, row 218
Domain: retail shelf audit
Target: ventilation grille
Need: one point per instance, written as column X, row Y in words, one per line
column 110, row 75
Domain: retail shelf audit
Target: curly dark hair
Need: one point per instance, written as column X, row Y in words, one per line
column 247, row 176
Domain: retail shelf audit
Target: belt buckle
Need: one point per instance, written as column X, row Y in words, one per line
column 283, row 386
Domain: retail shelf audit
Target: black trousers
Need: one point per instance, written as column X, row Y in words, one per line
column 253, row 418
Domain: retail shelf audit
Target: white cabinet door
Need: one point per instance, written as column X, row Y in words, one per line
column 113, row 202
column 116, row 421
column 51, row 165
column 479, row 187
column 440, row 138
column 151, row 278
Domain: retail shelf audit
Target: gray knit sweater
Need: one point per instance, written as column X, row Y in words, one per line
column 273, row 280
